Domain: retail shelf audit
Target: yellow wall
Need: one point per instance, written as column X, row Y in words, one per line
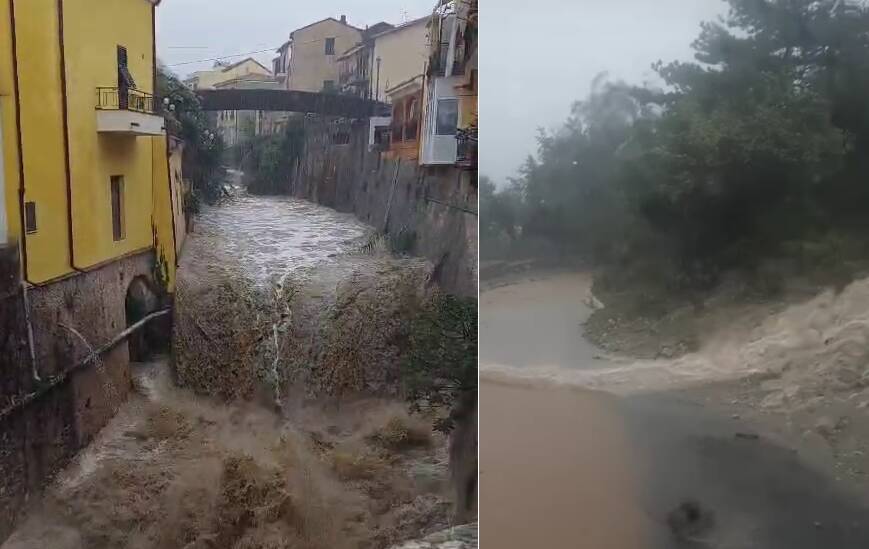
column 7, row 119
column 90, row 38
column 162, row 217
column 467, row 95
column 42, row 136
column 309, row 64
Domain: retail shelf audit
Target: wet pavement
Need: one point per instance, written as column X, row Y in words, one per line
column 565, row 466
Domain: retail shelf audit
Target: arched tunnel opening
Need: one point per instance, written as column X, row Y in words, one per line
column 151, row 339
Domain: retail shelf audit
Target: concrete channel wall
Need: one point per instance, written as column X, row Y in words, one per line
column 38, row 438
column 431, row 210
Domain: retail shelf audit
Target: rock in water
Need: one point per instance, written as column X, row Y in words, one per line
column 458, row 537
column 690, row 520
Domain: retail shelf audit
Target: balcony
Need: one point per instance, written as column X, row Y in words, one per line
column 128, row 112
column 466, row 148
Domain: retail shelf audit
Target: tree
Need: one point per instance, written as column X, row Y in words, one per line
column 204, row 149
column 761, row 141
column 441, row 367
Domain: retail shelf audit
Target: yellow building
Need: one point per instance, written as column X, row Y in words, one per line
column 85, row 171
column 87, row 224
column 313, row 54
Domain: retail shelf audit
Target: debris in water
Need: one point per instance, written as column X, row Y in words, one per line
column 690, row 520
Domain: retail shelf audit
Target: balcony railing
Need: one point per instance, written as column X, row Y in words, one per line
column 352, row 76
column 466, row 147
column 125, row 100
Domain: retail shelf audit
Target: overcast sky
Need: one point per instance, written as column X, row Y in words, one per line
column 537, row 57
column 188, row 30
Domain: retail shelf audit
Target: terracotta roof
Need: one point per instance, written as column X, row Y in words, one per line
column 377, row 28
column 321, row 21
column 407, row 84
column 403, row 26
column 245, row 60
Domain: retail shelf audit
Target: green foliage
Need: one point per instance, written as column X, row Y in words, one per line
column 441, row 366
column 270, row 160
column 203, row 147
column 763, row 141
column 499, row 216
column 161, row 265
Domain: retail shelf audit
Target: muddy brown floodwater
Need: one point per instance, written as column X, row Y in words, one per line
column 556, row 470
column 579, row 450
column 179, row 467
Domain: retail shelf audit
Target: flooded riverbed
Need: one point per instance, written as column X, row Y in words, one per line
column 277, row 293
column 581, row 450
column 265, row 237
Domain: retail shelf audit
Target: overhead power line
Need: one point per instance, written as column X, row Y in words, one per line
column 221, row 57
column 241, row 54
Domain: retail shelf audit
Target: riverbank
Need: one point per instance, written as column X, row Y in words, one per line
column 697, row 423
column 277, row 422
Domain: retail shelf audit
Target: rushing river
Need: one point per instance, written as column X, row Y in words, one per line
column 264, row 283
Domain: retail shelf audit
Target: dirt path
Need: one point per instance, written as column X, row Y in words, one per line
column 615, row 466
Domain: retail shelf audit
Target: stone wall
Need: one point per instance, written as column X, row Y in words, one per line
column 430, row 211
column 39, row 438
column 13, row 377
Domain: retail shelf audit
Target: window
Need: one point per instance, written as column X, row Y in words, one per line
column 397, row 131
column 381, row 135
column 341, row 138
column 447, row 116
column 30, row 217
column 411, row 121
column 328, row 85
column 117, row 183
column 330, row 46
column 125, row 79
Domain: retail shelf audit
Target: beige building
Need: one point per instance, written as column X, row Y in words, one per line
column 354, row 65
column 235, row 126
column 399, row 55
column 222, row 73
column 313, row 52
column 239, row 126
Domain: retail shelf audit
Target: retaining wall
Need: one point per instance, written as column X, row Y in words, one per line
column 39, row 438
column 432, row 209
